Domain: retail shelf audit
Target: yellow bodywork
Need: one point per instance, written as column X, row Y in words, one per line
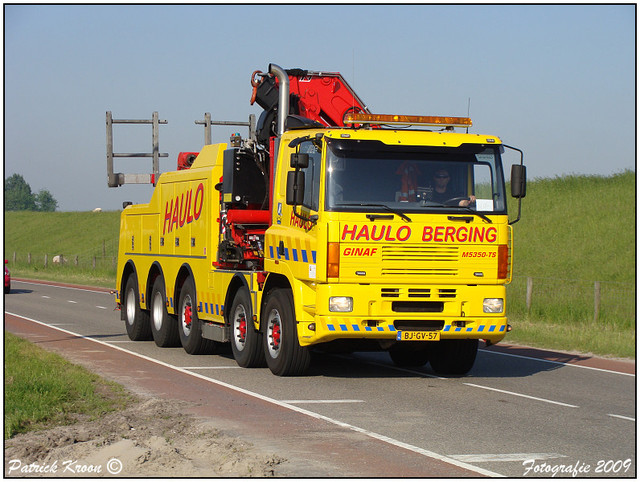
column 385, row 266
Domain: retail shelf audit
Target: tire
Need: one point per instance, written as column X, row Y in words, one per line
column 189, row 328
column 453, row 357
column 164, row 327
column 246, row 342
column 408, row 354
column 136, row 320
column 284, row 355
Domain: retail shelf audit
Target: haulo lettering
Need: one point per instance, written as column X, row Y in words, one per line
column 183, row 209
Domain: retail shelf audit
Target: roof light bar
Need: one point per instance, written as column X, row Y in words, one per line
column 407, row 119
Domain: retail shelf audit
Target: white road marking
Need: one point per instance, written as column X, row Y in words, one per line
column 47, row 297
column 521, row 395
column 101, row 307
column 297, row 402
column 503, row 457
column 558, row 363
column 71, row 301
column 374, row 435
column 622, row 417
column 208, row 368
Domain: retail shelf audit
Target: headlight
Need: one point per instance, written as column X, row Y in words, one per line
column 493, row 305
column 342, row 304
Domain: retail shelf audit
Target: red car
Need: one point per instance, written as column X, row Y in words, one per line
column 7, row 278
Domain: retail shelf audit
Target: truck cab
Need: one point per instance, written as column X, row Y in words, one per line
column 381, row 251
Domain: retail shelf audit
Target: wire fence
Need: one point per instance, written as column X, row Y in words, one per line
column 572, row 300
column 101, row 259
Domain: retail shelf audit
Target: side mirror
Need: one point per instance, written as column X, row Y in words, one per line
column 299, row 161
column 518, row 181
column 295, row 187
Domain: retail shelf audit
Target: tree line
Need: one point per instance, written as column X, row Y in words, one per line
column 18, row 196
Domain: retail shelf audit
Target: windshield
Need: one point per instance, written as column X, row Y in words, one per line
column 372, row 176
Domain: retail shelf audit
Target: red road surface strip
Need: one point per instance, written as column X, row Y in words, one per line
column 622, row 366
column 65, row 285
column 332, row 449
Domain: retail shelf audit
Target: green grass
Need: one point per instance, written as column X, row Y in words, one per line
column 91, row 237
column 41, row 389
column 574, row 231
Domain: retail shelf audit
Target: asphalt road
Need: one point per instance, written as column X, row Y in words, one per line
column 516, row 414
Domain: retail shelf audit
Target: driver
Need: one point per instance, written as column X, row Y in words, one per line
column 442, row 193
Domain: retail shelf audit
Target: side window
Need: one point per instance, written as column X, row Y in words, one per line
column 483, row 187
column 311, row 176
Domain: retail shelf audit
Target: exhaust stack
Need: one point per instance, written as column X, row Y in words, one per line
column 283, row 100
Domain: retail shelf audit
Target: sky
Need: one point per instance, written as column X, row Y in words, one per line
column 557, row 81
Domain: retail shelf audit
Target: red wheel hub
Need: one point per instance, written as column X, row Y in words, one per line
column 276, row 335
column 187, row 315
column 242, row 328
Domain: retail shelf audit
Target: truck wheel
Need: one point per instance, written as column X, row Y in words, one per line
column 135, row 319
column 164, row 327
column 453, row 357
column 189, row 327
column 408, row 354
column 246, row 342
column 282, row 350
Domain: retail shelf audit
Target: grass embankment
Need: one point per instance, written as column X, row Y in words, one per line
column 89, row 238
column 575, row 231
column 41, row 389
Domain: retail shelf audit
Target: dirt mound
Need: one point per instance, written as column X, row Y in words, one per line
column 150, row 438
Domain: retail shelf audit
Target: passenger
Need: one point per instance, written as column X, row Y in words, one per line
column 442, row 193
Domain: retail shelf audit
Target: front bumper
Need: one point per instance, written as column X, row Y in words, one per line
column 379, row 312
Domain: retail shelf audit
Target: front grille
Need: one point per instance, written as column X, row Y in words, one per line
column 421, row 254
column 418, row 272
column 424, row 293
column 405, row 260
column 419, row 293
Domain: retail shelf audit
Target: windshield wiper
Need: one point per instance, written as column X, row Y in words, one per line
column 466, row 208
column 371, row 205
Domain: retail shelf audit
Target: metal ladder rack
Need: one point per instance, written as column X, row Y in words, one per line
column 118, row 178
column 207, row 123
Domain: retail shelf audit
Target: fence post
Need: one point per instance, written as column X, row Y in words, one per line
column 94, row 262
column 104, row 249
column 46, row 260
column 596, row 301
column 29, row 259
column 14, row 258
column 76, row 260
column 529, row 293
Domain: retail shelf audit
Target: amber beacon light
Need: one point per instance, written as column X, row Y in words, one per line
column 407, row 119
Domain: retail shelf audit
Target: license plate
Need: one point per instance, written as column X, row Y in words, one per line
column 418, row 336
